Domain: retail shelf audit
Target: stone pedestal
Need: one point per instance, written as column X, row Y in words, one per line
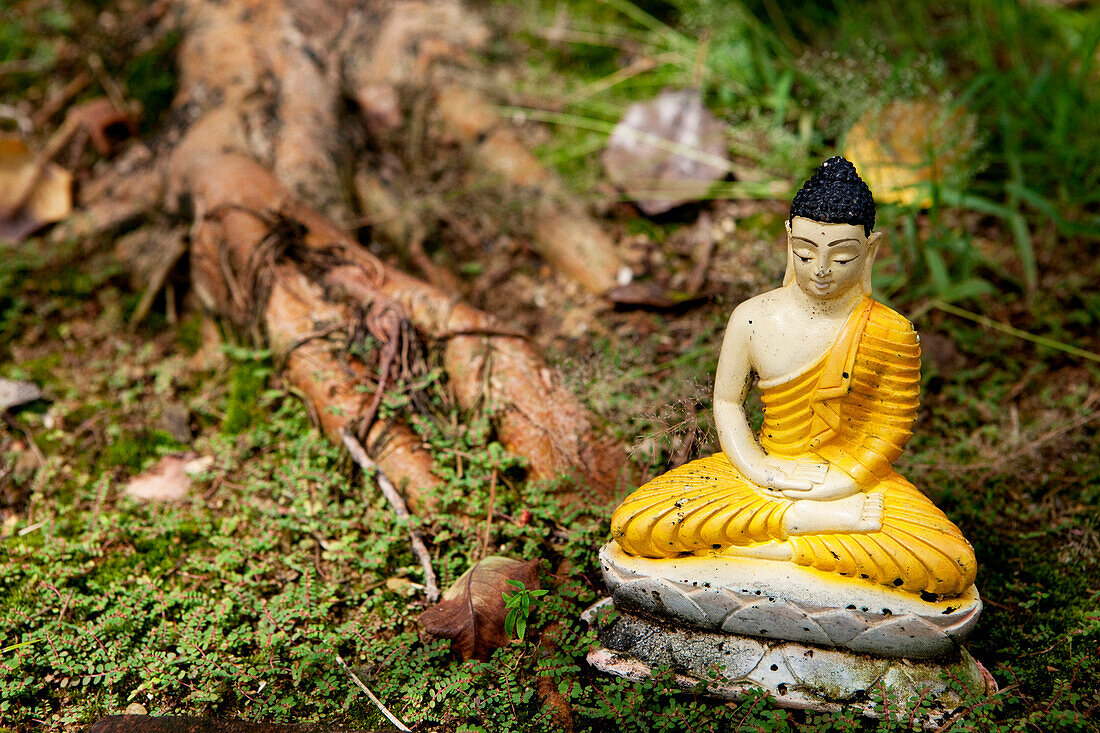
column 795, row 675
column 810, row 639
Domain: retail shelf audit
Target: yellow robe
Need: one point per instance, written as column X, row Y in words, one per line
column 853, row 409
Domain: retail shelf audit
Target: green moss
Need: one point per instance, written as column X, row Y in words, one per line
column 189, row 333
column 242, row 408
column 134, row 450
column 151, row 78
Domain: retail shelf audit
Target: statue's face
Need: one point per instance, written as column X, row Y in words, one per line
column 828, row 259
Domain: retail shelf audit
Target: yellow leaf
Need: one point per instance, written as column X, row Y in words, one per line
column 50, row 198
column 907, row 143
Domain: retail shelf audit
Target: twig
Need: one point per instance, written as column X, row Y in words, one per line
column 359, row 455
column 388, row 331
column 489, row 514
column 114, row 93
column 56, row 102
column 158, row 278
column 377, row 703
column 496, row 332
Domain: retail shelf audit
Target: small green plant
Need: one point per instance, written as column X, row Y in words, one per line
column 518, row 604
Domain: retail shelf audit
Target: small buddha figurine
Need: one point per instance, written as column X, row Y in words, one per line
column 840, row 379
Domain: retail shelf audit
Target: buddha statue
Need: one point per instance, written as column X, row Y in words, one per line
column 797, row 561
column 839, row 375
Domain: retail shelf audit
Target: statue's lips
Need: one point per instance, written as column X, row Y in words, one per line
column 822, row 284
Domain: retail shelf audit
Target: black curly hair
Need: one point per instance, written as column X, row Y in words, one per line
column 835, row 194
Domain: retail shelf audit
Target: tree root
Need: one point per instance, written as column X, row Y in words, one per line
column 257, row 135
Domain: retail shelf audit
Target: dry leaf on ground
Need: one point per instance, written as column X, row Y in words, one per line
column 650, row 295
column 667, row 151
column 169, row 479
column 50, row 199
column 14, row 393
column 902, row 145
column 105, row 123
column 472, row 611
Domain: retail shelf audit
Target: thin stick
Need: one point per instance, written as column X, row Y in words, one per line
column 377, row 703
column 1012, row 331
column 489, row 514
column 359, row 455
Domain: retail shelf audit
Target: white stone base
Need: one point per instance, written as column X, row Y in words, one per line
column 796, row 675
column 781, row 600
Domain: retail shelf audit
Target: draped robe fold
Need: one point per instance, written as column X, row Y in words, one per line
column 853, row 408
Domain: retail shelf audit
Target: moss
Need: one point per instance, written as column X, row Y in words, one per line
column 242, row 408
column 189, row 333
column 151, row 78
column 41, row 370
column 134, row 450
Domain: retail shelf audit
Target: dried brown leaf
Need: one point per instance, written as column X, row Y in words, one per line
column 169, row 479
column 472, row 612
column 105, row 123
column 649, row 295
column 14, row 393
column 667, row 151
column 50, row 198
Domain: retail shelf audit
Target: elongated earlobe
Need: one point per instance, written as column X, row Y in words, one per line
column 869, row 261
column 788, row 275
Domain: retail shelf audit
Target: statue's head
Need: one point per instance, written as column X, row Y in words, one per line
column 830, row 245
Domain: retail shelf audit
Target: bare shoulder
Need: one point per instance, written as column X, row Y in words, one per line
column 757, row 312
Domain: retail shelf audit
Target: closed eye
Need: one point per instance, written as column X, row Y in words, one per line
column 844, row 262
column 804, row 259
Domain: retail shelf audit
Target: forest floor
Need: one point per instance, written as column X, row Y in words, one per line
column 232, row 601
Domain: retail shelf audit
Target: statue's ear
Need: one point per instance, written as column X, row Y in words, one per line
column 869, row 261
column 788, row 275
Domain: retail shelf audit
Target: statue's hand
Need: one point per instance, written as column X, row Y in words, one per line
column 783, row 475
column 835, row 484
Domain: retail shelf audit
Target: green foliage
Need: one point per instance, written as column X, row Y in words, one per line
column 196, row 608
column 518, row 603
column 250, row 372
column 791, row 83
column 150, row 78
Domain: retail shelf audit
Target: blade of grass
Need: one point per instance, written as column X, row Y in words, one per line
column 671, row 36
column 1016, row 332
column 640, row 66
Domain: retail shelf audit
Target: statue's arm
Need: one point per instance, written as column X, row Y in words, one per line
column 731, row 386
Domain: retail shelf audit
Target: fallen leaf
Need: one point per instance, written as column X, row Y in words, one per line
column 472, row 611
column 650, row 295
column 904, row 144
column 14, row 393
column 105, row 123
column 50, row 198
column 667, row 151
column 169, row 479
column 403, row 586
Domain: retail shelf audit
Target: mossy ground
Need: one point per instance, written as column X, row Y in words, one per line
column 233, row 602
